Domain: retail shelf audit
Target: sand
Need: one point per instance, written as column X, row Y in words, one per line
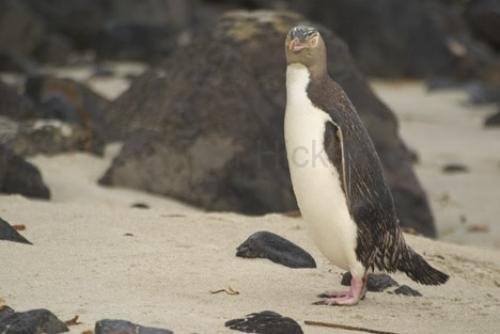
column 96, row 257
column 444, row 128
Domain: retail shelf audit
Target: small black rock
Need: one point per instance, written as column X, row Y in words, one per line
column 493, row 120
column 9, row 233
column 376, row 282
column 140, row 205
column 455, row 168
column 407, row 291
column 34, row 321
column 108, row 326
column 268, row 245
column 265, row 322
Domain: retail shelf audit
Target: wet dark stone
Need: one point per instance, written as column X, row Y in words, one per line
column 493, row 120
column 455, row 168
column 376, row 282
column 34, row 321
column 108, row 326
column 407, row 291
column 9, row 233
column 266, row 322
column 271, row 246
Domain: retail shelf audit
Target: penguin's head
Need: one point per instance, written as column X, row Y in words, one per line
column 305, row 45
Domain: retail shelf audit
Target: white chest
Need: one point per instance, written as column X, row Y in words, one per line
column 315, row 180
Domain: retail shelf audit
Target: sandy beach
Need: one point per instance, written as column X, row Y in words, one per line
column 97, row 257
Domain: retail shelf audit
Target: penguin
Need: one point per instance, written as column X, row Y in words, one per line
column 337, row 176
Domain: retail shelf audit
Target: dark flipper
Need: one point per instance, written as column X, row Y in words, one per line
column 415, row 266
column 334, row 149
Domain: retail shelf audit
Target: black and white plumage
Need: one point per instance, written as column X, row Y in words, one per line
column 336, row 173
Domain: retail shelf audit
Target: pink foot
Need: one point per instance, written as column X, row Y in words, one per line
column 351, row 297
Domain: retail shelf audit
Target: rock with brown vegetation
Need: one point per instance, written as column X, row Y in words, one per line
column 59, row 115
column 207, row 127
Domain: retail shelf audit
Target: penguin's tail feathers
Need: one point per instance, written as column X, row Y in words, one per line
column 415, row 266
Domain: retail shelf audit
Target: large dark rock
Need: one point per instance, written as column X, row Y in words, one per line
column 30, row 322
column 14, row 105
column 136, row 41
column 108, row 326
column 265, row 322
column 117, row 28
column 393, row 38
column 21, row 29
column 271, row 246
column 207, row 127
column 18, row 176
column 484, row 18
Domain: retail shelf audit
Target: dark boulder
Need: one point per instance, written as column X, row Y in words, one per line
column 484, row 18
column 107, row 326
column 393, row 38
column 33, row 321
column 207, row 126
column 14, row 105
column 271, row 246
column 265, row 322
column 136, row 41
column 116, row 28
column 21, row 29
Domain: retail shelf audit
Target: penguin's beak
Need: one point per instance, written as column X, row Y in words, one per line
column 296, row 45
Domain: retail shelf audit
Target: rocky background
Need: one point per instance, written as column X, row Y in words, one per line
column 203, row 123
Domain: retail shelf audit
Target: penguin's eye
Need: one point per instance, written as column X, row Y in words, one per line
column 313, row 42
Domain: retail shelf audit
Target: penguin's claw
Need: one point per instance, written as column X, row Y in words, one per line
column 350, row 297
